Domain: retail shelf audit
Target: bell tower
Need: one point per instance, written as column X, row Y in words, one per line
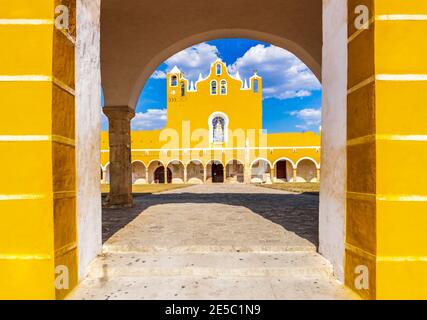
column 176, row 85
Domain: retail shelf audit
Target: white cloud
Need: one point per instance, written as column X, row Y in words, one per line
column 152, row 119
column 284, row 75
column 310, row 116
column 290, row 94
column 158, row 74
column 194, row 60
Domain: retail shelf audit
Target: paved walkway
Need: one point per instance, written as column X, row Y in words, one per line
column 212, row 242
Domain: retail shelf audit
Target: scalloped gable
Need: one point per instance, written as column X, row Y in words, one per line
column 244, row 83
column 224, row 74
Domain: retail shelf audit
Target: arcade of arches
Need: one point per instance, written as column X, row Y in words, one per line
column 196, row 172
column 372, row 216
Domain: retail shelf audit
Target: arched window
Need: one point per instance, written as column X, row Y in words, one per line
column 214, row 87
column 223, row 87
column 218, row 69
column 256, row 86
column 218, row 125
column 182, row 89
column 174, row 81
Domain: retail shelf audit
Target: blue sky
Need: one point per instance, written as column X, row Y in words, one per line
column 292, row 94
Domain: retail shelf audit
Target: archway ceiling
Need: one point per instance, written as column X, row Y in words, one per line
column 138, row 35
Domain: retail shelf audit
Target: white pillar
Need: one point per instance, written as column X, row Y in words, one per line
column 334, row 134
column 88, row 126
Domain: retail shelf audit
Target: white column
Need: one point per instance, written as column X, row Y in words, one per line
column 334, row 134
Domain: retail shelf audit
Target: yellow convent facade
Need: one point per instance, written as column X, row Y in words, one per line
column 214, row 134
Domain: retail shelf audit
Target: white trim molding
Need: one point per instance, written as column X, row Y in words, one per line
column 223, row 149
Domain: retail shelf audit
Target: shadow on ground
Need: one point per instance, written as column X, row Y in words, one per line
column 298, row 213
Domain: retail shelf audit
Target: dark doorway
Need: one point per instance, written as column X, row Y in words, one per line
column 159, row 175
column 217, row 173
column 281, row 170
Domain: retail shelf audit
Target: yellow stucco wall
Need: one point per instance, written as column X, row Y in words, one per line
column 37, row 193
column 386, row 206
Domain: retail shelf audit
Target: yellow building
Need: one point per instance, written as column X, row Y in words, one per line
column 214, row 134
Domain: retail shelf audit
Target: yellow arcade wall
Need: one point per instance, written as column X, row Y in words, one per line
column 149, row 151
column 37, row 166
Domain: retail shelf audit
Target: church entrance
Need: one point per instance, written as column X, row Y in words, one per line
column 159, row 175
column 281, row 170
column 217, row 173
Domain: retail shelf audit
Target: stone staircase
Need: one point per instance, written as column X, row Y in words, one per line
column 214, row 242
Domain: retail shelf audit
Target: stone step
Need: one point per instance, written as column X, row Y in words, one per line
column 212, row 288
column 199, row 249
column 243, row 264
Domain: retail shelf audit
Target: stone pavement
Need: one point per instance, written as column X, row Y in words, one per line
column 213, row 242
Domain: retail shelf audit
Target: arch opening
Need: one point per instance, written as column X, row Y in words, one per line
column 261, row 172
column 139, row 173
column 176, row 169
column 215, row 172
column 235, row 172
column 159, row 175
column 306, row 171
column 195, row 172
column 284, row 171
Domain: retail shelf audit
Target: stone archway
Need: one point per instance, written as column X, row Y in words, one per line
column 304, row 41
column 139, row 173
column 195, row 172
column 220, row 21
column 235, row 171
column 284, row 171
column 260, row 171
column 306, row 171
column 177, row 170
column 151, row 169
column 159, row 175
column 215, row 172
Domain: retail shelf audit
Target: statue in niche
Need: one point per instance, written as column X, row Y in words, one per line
column 218, row 124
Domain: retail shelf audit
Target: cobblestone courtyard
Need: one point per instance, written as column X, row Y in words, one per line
column 297, row 213
column 213, row 242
